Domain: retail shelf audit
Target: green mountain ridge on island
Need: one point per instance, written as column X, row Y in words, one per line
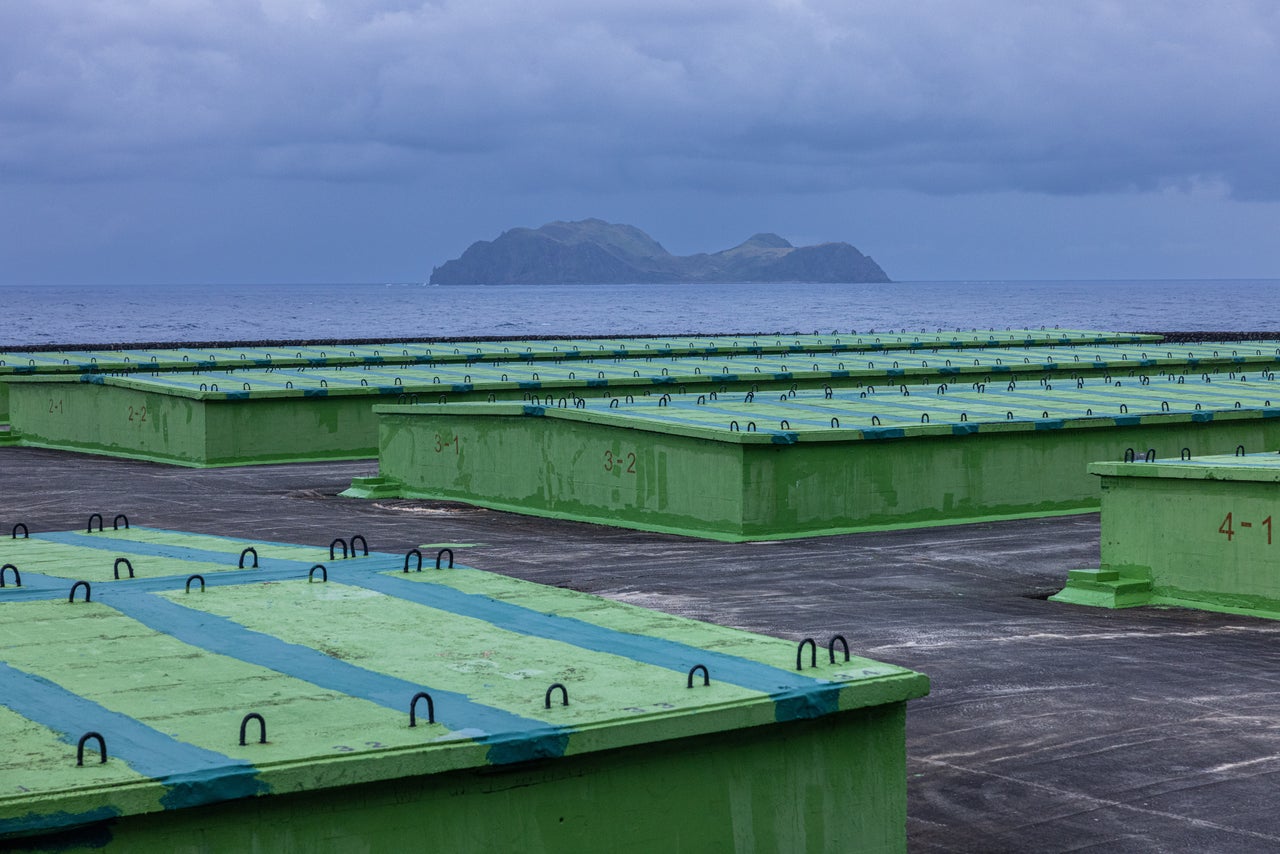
column 592, row 251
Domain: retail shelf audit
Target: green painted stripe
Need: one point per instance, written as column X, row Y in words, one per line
column 511, row 737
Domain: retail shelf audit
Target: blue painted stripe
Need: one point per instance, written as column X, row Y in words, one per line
column 703, row 421
column 192, row 775
column 167, row 550
column 512, row 737
column 38, row 587
column 270, row 569
column 882, row 432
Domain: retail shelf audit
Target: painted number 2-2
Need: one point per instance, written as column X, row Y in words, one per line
column 1230, row 527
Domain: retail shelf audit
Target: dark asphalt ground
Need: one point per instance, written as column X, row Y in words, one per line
column 1050, row 727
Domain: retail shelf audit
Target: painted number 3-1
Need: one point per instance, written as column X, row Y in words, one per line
column 625, row 464
column 443, row 444
column 1230, row 527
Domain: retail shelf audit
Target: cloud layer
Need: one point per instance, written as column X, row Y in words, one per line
column 777, row 96
column 359, row 140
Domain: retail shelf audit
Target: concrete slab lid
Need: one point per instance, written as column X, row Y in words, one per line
column 1255, row 467
column 334, row 654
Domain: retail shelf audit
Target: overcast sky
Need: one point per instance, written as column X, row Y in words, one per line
column 204, row 141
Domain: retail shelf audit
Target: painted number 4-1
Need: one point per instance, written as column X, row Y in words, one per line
column 1229, row 527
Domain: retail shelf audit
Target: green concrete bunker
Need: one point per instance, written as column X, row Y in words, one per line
column 271, row 414
column 160, row 687
column 1191, row 531
column 737, row 467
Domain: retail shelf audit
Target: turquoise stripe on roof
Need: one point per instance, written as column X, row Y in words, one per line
column 192, row 775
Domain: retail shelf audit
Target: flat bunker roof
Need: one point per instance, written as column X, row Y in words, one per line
column 764, row 466
column 1241, row 467
column 896, row 411
column 223, row 358
column 301, row 673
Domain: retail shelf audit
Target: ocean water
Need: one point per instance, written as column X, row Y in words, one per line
column 86, row 314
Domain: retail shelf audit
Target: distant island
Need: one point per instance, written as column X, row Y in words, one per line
column 592, row 251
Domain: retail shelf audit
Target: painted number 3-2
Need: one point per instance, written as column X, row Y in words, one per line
column 1230, row 527
column 625, row 464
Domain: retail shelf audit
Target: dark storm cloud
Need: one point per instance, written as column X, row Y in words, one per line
column 940, row 97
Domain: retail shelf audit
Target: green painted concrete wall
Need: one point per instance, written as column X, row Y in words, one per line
column 1195, row 534
column 289, row 430
column 833, row 785
column 155, row 425
column 568, row 469
column 107, row 420
column 738, row 486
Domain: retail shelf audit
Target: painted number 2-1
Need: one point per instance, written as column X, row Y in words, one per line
column 1230, row 527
